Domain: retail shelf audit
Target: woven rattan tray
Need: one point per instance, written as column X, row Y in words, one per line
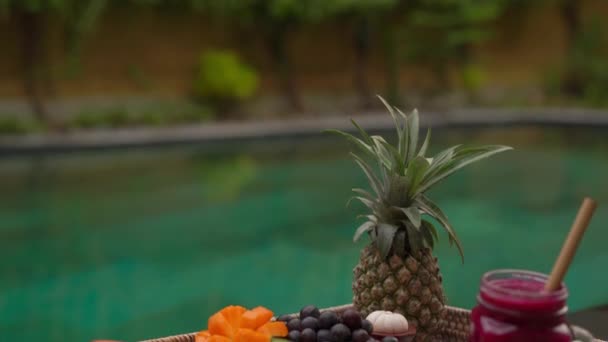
column 455, row 327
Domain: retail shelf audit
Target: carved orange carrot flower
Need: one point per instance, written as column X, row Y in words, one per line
column 237, row 324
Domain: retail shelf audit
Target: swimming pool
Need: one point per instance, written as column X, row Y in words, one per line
column 138, row 243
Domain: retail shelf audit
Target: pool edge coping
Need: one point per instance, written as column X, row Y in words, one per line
column 305, row 126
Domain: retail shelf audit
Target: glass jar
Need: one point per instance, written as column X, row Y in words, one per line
column 513, row 306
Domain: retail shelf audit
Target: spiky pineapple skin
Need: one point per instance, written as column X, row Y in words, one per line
column 410, row 286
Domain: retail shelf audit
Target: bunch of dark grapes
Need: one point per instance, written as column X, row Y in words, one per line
column 314, row 326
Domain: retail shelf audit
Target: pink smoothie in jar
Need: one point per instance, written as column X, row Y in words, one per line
column 513, row 306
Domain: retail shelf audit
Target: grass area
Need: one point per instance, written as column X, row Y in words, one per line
column 15, row 125
column 116, row 117
column 123, row 117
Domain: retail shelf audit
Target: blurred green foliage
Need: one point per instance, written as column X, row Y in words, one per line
column 587, row 64
column 223, row 79
column 440, row 32
column 272, row 21
column 80, row 18
column 473, row 77
column 438, row 35
column 12, row 125
column 290, row 12
column 157, row 115
column 225, row 178
column 77, row 19
column 33, row 5
column 110, row 118
column 583, row 77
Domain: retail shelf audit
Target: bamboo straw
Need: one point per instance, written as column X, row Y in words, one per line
column 571, row 244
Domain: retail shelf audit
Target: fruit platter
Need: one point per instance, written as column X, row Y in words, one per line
column 397, row 286
column 343, row 323
column 456, row 327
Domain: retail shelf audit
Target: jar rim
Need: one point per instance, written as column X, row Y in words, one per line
column 490, row 286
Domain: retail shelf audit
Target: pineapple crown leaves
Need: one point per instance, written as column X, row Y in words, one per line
column 398, row 201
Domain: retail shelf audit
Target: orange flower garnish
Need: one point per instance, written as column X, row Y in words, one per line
column 237, row 324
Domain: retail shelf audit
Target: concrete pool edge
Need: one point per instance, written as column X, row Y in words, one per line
column 309, row 126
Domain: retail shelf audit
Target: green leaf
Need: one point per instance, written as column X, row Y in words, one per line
column 368, row 203
column 386, row 233
column 413, row 236
column 433, row 210
column 388, row 106
column 441, row 159
column 371, row 217
column 364, row 194
column 398, row 190
column 431, row 227
column 373, row 180
column 462, row 157
column 382, row 153
column 398, row 163
column 403, row 138
column 451, row 240
column 385, row 179
column 278, row 339
column 413, row 215
column 364, row 228
column 395, row 120
column 413, row 127
column 416, row 171
column 373, row 234
column 427, row 229
column 358, row 142
column 362, row 132
column 425, row 144
column 404, row 141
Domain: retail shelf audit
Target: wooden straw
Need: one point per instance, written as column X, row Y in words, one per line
column 571, row 244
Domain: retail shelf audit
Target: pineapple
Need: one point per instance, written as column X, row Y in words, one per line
column 397, row 270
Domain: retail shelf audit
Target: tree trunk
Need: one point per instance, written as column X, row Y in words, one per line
column 283, row 68
column 362, row 52
column 392, row 64
column 33, row 53
column 570, row 13
column 570, row 10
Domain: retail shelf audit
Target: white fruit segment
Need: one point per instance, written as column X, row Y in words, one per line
column 386, row 322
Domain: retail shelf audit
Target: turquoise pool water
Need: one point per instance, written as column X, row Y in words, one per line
column 139, row 243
